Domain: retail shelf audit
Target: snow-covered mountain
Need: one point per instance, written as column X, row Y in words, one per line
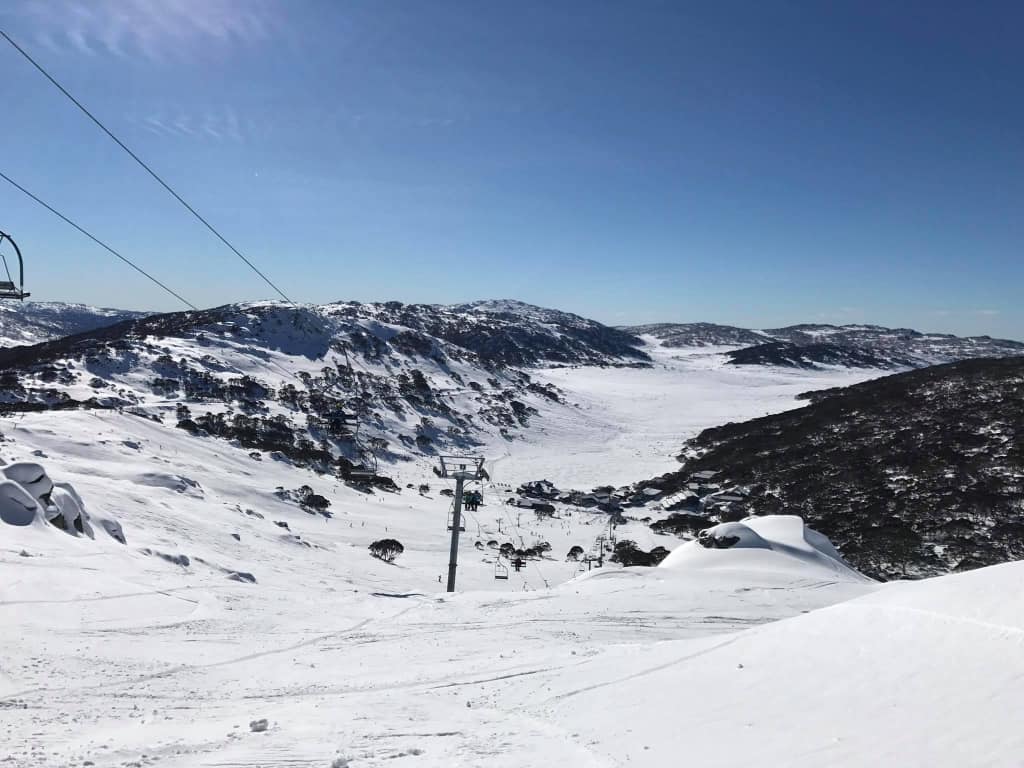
column 336, row 387
column 699, row 334
column 811, row 345
column 499, row 331
column 31, row 322
column 507, row 332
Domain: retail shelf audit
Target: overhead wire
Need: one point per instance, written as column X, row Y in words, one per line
column 145, row 166
column 96, row 240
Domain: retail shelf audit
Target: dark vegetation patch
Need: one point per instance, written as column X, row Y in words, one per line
column 814, row 355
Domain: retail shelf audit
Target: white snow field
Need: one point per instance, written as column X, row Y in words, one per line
column 631, row 423
column 230, row 605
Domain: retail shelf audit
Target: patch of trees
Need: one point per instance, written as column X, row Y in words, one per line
column 628, row 553
column 386, row 549
column 682, row 524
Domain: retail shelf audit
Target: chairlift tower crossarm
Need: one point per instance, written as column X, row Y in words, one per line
column 460, row 469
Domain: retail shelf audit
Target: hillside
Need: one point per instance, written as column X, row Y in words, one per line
column 817, row 345
column 332, row 387
column 32, row 322
column 699, row 334
column 913, row 474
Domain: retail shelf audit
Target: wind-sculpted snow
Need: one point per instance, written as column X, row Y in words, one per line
column 773, row 542
column 29, row 498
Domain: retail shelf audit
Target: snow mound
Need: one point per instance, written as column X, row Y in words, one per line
column 28, row 497
column 772, row 542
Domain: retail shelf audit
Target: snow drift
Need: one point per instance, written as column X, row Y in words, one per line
column 772, row 543
column 28, row 497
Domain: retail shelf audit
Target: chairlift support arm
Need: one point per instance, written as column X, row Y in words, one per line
column 19, row 291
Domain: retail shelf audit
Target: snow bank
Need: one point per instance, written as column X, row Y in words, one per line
column 912, row 674
column 772, row 542
column 28, row 497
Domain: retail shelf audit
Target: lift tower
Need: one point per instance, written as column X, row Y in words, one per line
column 461, row 469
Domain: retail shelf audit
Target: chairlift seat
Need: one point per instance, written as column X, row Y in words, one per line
column 9, row 290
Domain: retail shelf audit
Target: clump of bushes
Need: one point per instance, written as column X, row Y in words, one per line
column 628, row 553
column 386, row 549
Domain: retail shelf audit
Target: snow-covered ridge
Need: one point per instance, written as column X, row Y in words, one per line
column 813, row 345
column 416, row 379
column 32, row 322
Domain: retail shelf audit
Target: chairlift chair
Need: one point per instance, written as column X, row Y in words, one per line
column 8, row 289
column 500, row 571
column 361, row 473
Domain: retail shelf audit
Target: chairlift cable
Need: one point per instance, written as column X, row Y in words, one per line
column 96, row 240
column 147, row 168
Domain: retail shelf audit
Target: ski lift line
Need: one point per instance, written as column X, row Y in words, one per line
column 96, row 240
column 149, row 170
column 522, row 543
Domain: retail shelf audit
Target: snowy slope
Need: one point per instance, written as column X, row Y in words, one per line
column 920, row 673
column 172, row 661
column 734, row 663
column 31, row 322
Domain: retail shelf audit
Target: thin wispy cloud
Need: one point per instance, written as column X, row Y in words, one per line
column 156, row 30
column 216, row 124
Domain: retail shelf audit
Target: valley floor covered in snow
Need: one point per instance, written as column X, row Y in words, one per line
column 230, row 606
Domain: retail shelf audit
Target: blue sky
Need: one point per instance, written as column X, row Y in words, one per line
column 754, row 163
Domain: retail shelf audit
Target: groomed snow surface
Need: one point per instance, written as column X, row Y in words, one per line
column 230, row 605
